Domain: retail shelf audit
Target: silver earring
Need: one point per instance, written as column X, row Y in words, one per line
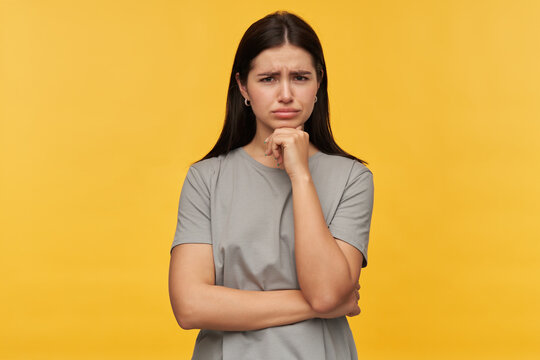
column 247, row 102
column 315, row 98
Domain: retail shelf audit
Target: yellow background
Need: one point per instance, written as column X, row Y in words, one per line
column 104, row 104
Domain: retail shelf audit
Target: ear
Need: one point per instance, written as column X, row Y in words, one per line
column 319, row 82
column 243, row 89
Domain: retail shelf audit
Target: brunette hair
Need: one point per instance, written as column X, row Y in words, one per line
column 274, row 30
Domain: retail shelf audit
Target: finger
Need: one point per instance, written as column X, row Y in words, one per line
column 354, row 312
column 275, row 147
column 277, row 150
column 269, row 141
column 267, row 146
column 277, row 156
column 280, row 154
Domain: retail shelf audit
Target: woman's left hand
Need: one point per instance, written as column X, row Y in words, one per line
column 290, row 148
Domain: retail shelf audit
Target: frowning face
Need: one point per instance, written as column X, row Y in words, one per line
column 281, row 87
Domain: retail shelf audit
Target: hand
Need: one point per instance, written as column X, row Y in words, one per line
column 349, row 307
column 356, row 308
column 290, row 148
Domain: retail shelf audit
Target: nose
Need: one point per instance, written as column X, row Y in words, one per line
column 285, row 92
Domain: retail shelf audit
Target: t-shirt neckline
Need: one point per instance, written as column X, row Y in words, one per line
column 268, row 168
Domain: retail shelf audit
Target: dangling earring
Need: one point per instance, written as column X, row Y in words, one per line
column 247, row 102
column 315, row 98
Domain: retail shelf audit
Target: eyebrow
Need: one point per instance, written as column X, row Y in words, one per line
column 299, row 72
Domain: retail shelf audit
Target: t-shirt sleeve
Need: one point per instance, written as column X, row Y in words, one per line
column 193, row 225
column 352, row 220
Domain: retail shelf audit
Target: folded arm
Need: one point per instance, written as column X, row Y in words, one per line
column 328, row 269
column 198, row 303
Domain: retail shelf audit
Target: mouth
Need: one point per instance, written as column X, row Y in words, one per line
column 285, row 114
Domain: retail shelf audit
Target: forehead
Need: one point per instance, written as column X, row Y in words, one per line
column 283, row 57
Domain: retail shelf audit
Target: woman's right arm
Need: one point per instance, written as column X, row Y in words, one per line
column 198, row 303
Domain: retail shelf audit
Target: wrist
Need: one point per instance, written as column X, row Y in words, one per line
column 301, row 178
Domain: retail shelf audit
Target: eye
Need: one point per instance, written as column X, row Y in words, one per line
column 302, row 78
column 266, row 78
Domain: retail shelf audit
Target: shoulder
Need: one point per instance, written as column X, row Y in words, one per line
column 344, row 166
column 206, row 167
column 207, row 170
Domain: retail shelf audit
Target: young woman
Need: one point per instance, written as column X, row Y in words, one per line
column 273, row 223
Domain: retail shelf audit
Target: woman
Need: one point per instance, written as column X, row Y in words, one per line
column 273, row 223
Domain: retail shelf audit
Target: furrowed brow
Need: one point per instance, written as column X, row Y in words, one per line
column 299, row 72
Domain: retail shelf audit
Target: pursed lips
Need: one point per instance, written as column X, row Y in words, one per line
column 288, row 110
column 286, row 113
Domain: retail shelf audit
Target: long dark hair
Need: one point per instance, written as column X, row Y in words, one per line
column 274, row 30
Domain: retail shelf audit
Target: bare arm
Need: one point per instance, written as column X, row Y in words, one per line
column 198, row 303
column 328, row 269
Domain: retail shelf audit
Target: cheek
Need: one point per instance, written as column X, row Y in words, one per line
column 308, row 95
column 261, row 99
column 260, row 95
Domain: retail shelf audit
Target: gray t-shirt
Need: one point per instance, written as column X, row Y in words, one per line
column 245, row 210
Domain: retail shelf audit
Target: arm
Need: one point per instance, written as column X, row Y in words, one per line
column 199, row 304
column 327, row 269
column 196, row 301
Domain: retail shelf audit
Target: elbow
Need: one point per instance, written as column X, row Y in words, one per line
column 185, row 323
column 328, row 300
column 188, row 307
column 324, row 303
column 185, row 315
